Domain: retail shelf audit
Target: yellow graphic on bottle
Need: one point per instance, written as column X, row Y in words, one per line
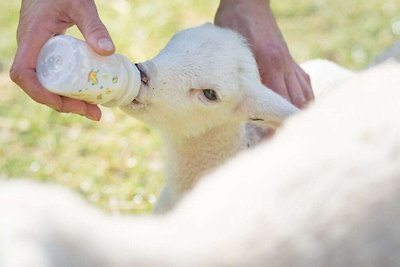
column 115, row 79
column 92, row 77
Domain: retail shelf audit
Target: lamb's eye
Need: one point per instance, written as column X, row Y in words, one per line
column 210, row 94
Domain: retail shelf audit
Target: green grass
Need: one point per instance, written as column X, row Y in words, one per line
column 117, row 163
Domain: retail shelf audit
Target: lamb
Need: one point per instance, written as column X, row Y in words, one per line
column 324, row 192
column 390, row 53
column 201, row 91
column 326, row 76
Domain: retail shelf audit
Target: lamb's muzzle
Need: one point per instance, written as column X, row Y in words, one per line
column 137, row 104
column 143, row 75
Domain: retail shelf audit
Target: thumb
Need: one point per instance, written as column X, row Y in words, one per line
column 95, row 33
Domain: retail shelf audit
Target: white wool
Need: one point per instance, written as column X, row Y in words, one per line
column 325, row 75
column 324, row 192
column 391, row 53
column 201, row 134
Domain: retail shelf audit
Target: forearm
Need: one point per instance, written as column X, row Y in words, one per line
column 252, row 18
column 256, row 3
column 255, row 21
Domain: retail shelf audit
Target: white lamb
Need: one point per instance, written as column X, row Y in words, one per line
column 201, row 91
column 325, row 76
column 324, row 192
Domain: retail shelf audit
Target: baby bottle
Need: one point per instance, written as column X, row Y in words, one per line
column 68, row 66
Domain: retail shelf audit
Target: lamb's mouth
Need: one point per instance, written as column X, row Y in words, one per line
column 136, row 103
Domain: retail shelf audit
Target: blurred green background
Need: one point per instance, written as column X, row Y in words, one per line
column 117, row 163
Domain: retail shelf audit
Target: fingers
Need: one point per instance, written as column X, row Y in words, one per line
column 277, row 83
column 299, row 87
column 25, row 77
column 289, row 87
column 289, row 81
column 91, row 111
column 27, row 80
column 23, row 70
column 38, row 23
column 294, row 86
column 93, row 30
column 305, row 83
column 277, row 68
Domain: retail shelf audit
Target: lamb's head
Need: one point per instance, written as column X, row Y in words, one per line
column 205, row 77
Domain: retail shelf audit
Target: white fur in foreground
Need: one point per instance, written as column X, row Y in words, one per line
column 324, row 192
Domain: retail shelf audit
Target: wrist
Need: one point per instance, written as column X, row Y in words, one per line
column 245, row 12
column 252, row 18
column 255, row 22
column 245, row 3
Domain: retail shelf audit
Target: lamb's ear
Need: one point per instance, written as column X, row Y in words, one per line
column 263, row 105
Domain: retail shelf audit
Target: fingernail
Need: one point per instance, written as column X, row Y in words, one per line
column 92, row 117
column 105, row 44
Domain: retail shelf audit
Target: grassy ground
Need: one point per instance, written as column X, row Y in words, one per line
column 117, row 163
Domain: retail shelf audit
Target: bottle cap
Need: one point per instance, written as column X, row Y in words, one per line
column 57, row 63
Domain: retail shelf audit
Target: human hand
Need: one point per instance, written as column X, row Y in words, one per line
column 278, row 71
column 40, row 20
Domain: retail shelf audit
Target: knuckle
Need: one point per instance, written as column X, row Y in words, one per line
column 40, row 101
column 299, row 100
column 310, row 95
column 95, row 26
column 16, row 73
column 274, row 55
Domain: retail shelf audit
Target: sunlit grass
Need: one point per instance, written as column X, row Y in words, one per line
column 117, row 163
column 116, row 159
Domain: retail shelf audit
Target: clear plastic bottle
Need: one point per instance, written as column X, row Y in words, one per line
column 68, row 66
